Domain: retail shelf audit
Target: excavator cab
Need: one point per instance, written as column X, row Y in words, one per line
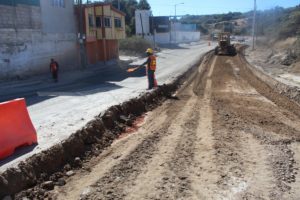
column 224, row 46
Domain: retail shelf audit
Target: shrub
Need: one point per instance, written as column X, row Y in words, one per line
column 135, row 45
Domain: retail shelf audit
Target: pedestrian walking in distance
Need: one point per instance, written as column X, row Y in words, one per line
column 151, row 67
column 54, row 69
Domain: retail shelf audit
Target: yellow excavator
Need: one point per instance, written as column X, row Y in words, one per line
column 224, row 46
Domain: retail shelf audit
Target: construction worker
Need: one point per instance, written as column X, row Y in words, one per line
column 151, row 67
column 54, row 69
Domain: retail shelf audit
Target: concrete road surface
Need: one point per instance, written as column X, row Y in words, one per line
column 59, row 109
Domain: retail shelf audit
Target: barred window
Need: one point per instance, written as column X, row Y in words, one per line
column 98, row 22
column 91, row 21
column 58, row 3
column 118, row 23
column 107, row 22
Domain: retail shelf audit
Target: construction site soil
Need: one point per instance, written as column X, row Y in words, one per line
column 229, row 132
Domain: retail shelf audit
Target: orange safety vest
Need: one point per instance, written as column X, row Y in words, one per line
column 152, row 62
column 53, row 67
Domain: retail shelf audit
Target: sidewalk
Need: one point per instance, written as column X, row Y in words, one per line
column 59, row 111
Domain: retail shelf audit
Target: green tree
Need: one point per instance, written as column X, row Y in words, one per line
column 128, row 7
column 144, row 5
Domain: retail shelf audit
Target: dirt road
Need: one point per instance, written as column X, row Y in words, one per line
column 227, row 136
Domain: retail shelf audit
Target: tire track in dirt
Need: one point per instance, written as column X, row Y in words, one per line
column 243, row 149
column 169, row 180
column 154, row 175
column 178, row 179
column 112, row 185
column 277, row 131
column 237, row 160
column 203, row 171
column 120, row 153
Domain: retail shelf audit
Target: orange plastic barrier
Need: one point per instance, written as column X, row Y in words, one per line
column 16, row 128
column 155, row 81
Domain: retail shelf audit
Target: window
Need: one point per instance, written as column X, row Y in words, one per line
column 58, row 3
column 91, row 21
column 118, row 23
column 98, row 22
column 107, row 22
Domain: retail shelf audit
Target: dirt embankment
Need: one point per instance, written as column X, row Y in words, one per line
column 277, row 57
column 53, row 164
column 276, row 89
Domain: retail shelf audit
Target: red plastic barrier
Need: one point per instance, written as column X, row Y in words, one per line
column 16, row 128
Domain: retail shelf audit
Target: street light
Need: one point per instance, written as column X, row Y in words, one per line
column 175, row 8
column 176, row 19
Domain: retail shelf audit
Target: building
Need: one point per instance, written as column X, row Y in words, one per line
column 104, row 25
column 32, row 32
column 142, row 22
column 163, row 30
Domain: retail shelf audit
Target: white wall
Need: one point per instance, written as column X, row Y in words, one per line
column 143, row 15
column 160, row 38
column 181, row 37
column 58, row 19
column 26, row 51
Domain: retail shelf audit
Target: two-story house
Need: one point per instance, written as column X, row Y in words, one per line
column 104, row 25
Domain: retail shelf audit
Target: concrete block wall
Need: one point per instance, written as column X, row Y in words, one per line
column 29, row 38
column 20, row 17
column 7, row 16
column 28, row 52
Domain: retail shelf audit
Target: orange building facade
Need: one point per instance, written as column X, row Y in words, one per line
column 104, row 25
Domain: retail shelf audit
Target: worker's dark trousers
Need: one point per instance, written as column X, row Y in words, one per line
column 150, row 74
column 55, row 75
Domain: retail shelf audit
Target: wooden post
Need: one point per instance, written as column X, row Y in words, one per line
column 103, row 36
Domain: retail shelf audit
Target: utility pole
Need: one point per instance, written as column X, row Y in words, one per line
column 153, row 31
column 142, row 25
column 81, row 38
column 175, row 20
column 253, row 25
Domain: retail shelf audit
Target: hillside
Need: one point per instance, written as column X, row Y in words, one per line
column 232, row 22
column 277, row 29
column 278, row 22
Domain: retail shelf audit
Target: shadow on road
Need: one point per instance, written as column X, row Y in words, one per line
column 18, row 153
column 92, row 81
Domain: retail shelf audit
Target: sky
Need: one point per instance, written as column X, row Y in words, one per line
column 202, row 7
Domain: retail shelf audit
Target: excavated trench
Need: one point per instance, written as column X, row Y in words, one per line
column 231, row 132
